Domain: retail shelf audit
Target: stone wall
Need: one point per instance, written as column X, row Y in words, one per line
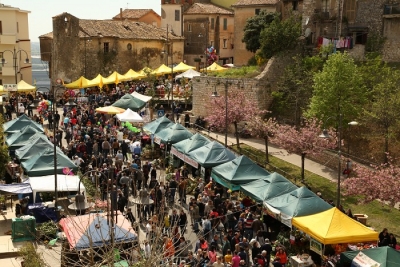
column 391, row 32
column 258, row 89
column 369, row 13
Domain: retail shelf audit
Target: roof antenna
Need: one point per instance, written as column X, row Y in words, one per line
column 127, row 5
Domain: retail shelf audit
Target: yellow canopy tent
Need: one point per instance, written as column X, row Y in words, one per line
column 82, row 82
column 23, row 86
column 214, row 67
column 2, row 90
column 110, row 110
column 334, row 227
column 162, row 70
column 132, row 75
column 145, row 71
column 98, row 81
column 181, row 67
column 115, row 78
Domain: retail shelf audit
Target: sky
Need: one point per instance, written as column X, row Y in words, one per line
column 42, row 11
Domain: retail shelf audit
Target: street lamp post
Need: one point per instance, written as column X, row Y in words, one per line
column 15, row 66
column 172, row 64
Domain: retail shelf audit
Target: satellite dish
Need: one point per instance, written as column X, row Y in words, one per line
column 307, row 20
column 307, row 32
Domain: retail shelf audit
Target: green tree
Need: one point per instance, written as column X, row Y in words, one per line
column 4, row 157
column 338, row 90
column 253, row 28
column 280, row 35
column 295, row 88
column 384, row 109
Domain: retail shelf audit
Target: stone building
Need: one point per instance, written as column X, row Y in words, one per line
column 245, row 9
column 79, row 47
column 14, row 42
column 148, row 16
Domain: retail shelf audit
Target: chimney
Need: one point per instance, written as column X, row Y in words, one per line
column 120, row 13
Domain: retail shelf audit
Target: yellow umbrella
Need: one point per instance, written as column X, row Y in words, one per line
column 23, row 86
column 82, row 82
column 162, row 70
column 132, row 75
column 181, row 67
column 98, row 81
column 110, row 110
column 115, row 77
column 214, row 67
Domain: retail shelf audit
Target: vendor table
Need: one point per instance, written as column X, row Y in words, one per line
column 23, row 229
column 42, row 213
column 298, row 262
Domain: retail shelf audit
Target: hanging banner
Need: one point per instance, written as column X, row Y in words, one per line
column 191, row 162
column 157, row 140
column 315, row 246
column 362, row 260
column 177, row 153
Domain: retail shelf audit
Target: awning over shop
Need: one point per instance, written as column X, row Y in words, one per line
column 82, row 82
column 333, row 227
column 239, row 171
column 65, row 183
column 114, row 78
column 132, row 75
column 172, row 134
column 94, row 231
column 25, row 140
column 269, row 187
column 98, row 81
column 23, row 86
column 110, row 110
column 188, row 74
column 211, row 155
column 385, row 256
column 214, row 67
column 43, row 163
column 128, row 101
column 299, row 202
column 129, row 116
column 17, row 124
column 158, row 125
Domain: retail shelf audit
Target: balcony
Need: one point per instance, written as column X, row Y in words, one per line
column 323, row 15
column 8, row 39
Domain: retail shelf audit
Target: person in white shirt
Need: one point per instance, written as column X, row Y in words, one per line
column 77, row 161
column 21, row 109
column 147, row 249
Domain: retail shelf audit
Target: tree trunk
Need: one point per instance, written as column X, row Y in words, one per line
column 303, row 158
column 386, row 159
column 266, row 149
column 237, row 135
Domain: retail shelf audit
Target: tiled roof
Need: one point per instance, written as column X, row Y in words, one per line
column 132, row 13
column 199, row 8
column 122, row 29
column 255, row 2
column 47, row 35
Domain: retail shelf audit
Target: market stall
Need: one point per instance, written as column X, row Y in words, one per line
column 144, row 98
column 158, row 125
column 211, row 155
column 269, row 187
column 17, row 124
column 172, row 134
column 382, row 257
column 239, row 171
column 29, row 150
column 65, row 183
column 184, row 147
column 23, row 135
column 25, row 140
column 128, row 101
column 129, row 116
column 299, row 202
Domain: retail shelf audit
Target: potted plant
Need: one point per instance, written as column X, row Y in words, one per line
column 30, row 257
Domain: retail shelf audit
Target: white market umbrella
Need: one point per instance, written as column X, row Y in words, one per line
column 129, row 116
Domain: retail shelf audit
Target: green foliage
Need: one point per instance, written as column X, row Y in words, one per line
column 253, row 28
column 90, row 188
column 4, row 157
column 30, row 256
column 242, row 72
column 280, row 35
column 374, row 43
column 48, row 229
column 252, row 61
column 295, row 88
column 338, row 89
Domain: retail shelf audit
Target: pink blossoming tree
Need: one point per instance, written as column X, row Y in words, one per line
column 305, row 140
column 239, row 109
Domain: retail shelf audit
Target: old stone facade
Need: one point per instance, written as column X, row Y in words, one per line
column 87, row 48
column 258, row 90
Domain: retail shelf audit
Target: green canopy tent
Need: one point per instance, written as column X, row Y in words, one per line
column 23, row 135
column 239, row 171
column 158, row 125
column 23, row 141
column 299, row 202
column 129, row 101
column 271, row 186
column 17, row 124
column 211, row 155
column 43, row 163
column 184, row 147
column 172, row 134
column 385, row 256
column 26, row 152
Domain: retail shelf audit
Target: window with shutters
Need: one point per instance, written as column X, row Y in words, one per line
column 225, row 24
column 177, row 15
column 212, row 23
column 350, row 10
